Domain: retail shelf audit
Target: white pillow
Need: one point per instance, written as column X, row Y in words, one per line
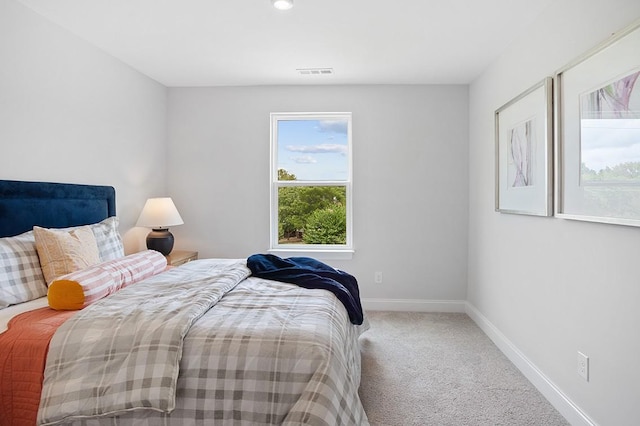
column 21, row 277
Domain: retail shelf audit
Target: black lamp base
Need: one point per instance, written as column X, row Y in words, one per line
column 160, row 240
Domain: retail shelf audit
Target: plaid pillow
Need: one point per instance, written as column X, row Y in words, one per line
column 21, row 277
column 108, row 239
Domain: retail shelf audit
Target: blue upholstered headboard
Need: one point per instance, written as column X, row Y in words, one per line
column 52, row 205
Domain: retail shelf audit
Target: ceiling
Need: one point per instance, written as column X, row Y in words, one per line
column 248, row 42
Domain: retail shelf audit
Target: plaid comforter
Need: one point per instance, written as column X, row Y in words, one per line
column 250, row 352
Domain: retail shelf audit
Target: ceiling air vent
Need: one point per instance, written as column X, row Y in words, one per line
column 315, row 71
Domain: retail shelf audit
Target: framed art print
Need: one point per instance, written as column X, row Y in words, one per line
column 598, row 133
column 524, row 137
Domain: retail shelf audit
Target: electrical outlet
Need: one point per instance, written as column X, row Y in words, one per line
column 377, row 277
column 583, row 366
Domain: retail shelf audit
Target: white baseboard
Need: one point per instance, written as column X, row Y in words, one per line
column 412, row 305
column 547, row 388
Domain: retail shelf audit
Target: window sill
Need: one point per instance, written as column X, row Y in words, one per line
column 327, row 254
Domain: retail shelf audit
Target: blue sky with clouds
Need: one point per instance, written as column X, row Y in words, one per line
column 608, row 142
column 314, row 149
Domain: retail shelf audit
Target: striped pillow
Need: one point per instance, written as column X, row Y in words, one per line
column 79, row 289
column 21, row 277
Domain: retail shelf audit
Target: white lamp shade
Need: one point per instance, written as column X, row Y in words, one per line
column 159, row 213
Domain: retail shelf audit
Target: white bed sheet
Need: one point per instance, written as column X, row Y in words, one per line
column 7, row 313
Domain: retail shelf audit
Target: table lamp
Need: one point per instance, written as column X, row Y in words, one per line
column 159, row 214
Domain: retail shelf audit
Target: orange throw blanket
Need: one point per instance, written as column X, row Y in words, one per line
column 23, row 353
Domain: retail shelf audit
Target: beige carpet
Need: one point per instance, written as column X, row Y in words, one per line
column 441, row 369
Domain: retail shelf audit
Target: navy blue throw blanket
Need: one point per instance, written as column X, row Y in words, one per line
column 310, row 273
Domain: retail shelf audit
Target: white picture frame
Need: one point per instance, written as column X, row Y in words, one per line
column 524, row 142
column 597, row 115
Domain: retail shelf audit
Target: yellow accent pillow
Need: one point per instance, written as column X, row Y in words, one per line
column 62, row 252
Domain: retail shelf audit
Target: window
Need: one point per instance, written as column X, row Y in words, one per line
column 311, row 183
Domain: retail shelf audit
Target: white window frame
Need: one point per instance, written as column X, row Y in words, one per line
column 321, row 251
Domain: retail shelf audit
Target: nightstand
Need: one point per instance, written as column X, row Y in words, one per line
column 180, row 257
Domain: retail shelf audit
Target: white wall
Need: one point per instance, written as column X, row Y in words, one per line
column 552, row 287
column 71, row 113
column 410, row 178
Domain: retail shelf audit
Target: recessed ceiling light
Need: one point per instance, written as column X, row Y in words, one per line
column 282, row 4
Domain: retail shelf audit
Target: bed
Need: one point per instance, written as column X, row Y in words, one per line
column 204, row 343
